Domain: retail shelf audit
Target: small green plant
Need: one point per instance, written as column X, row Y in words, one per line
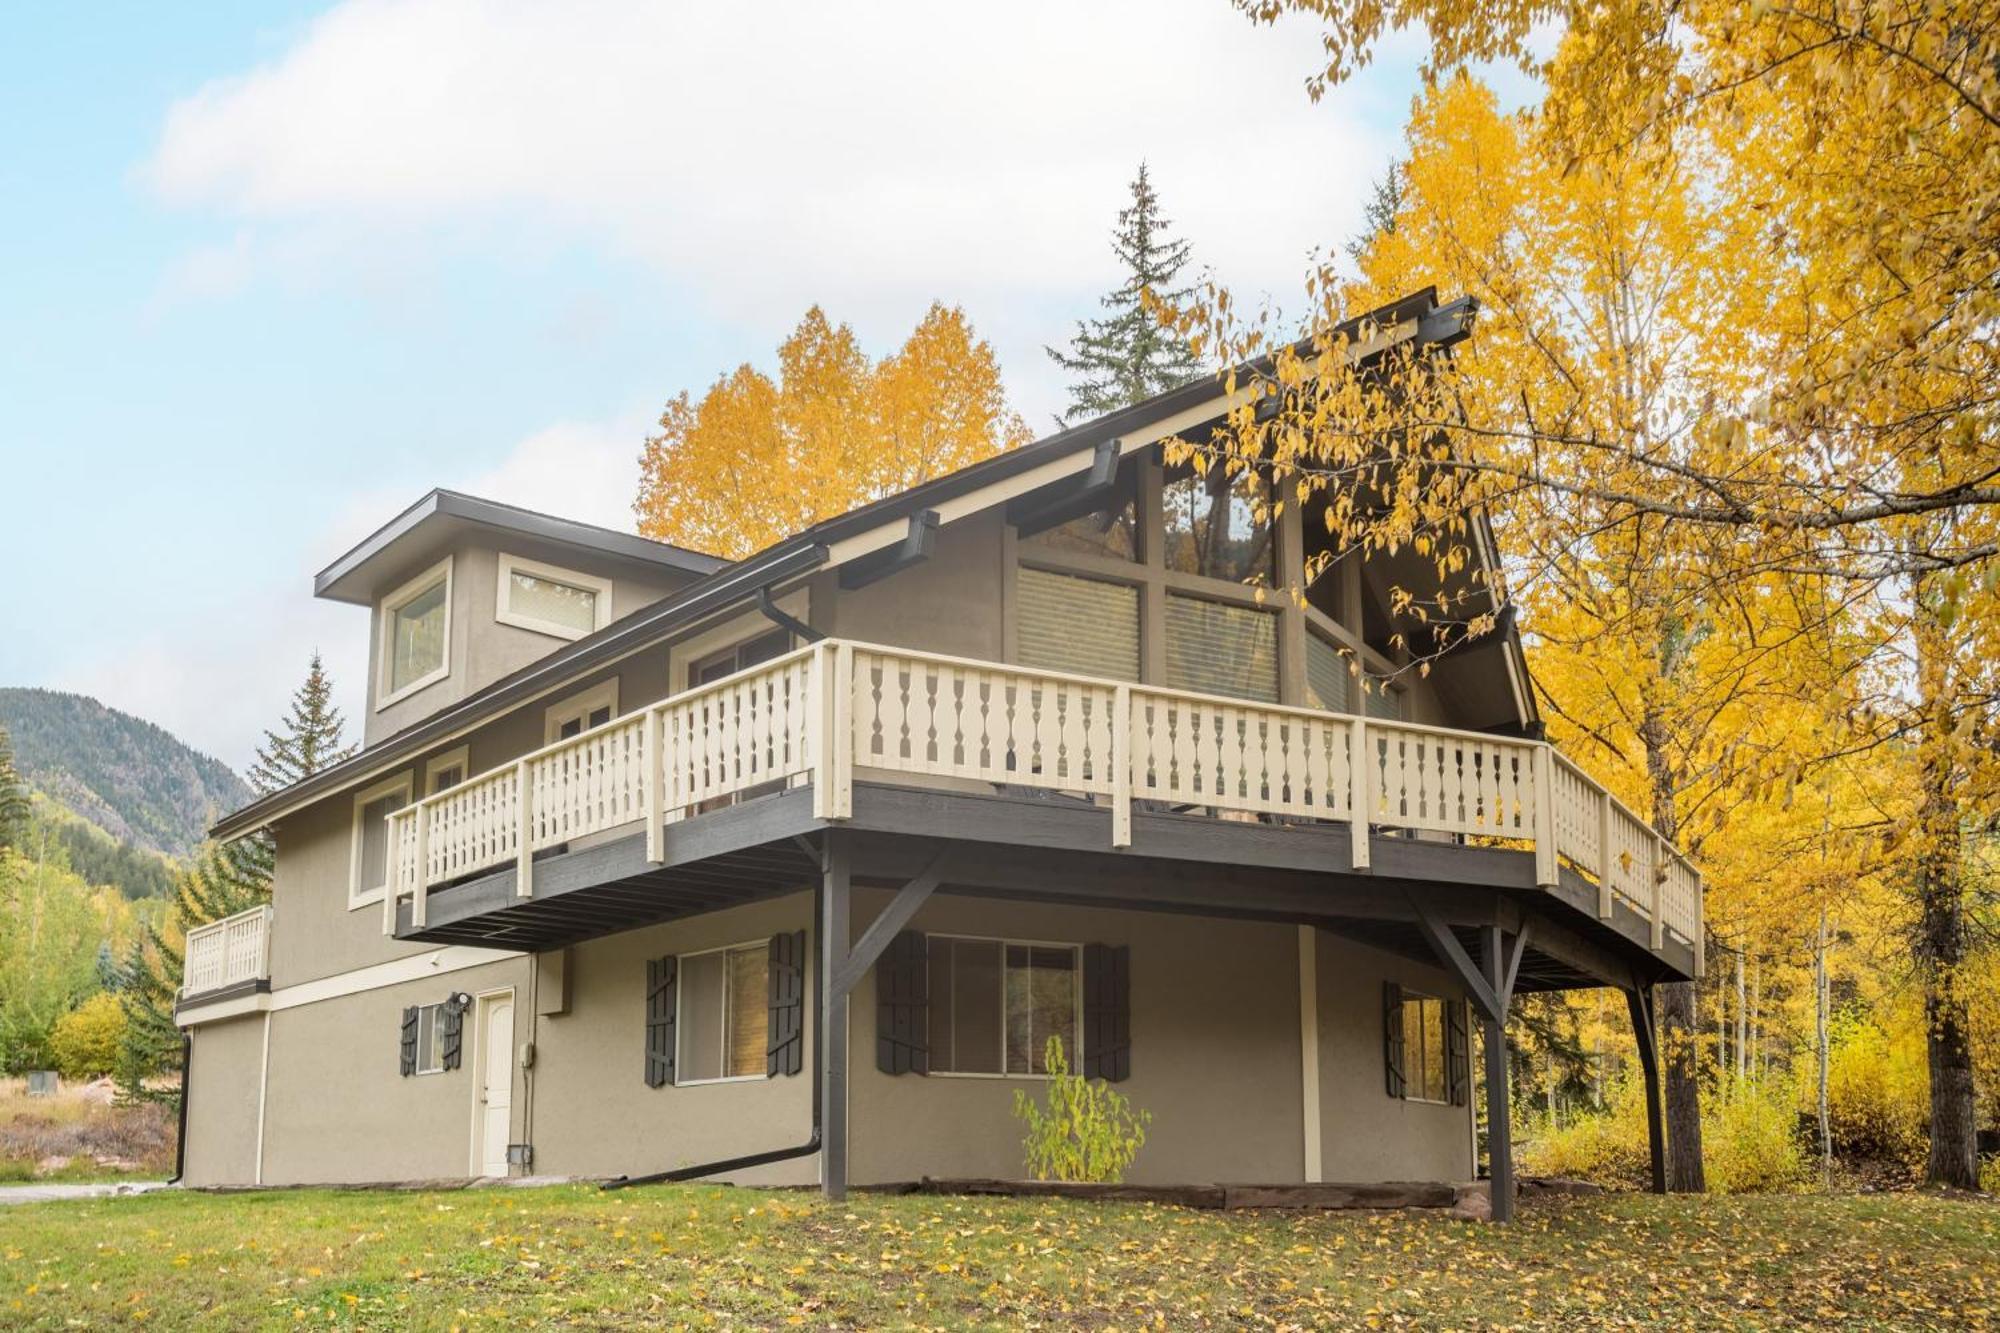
column 1089, row 1131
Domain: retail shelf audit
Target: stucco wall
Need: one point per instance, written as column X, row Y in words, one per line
column 594, row 1114
column 950, row 603
column 482, row 650
column 1365, row 1134
column 222, row 1108
column 338, row 1109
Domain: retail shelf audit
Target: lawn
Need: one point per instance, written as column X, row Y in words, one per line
column 708, row 1256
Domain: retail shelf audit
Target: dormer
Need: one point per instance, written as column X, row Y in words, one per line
column 464, row 591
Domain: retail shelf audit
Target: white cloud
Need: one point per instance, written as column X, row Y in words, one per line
column 869, row 156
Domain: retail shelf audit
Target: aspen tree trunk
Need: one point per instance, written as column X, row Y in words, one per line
column 1941, row 942
column 1742, row 1023
column 1679, row 1023
column 1822, row 1001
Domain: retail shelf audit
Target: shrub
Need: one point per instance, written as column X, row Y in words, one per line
column 1608, row 1146
column 1748, row 1131
column 1878, row 1092
column 1749, row 1138
column 1089, row 1131
column 86, row 1039
column 1989, row 1174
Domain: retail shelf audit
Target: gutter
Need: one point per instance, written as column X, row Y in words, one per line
column 797, row 1150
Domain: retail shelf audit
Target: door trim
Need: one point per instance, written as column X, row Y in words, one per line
column 482, row 1004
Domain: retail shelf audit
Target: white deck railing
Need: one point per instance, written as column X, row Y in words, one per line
column 822, row 712
column 223, row 953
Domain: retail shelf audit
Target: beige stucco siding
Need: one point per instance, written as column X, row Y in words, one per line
column 594, row 1114
column 222, row 1110
column 1365, row 1134
column 1215, row 1052
column 950, row 603
column 338, row 1108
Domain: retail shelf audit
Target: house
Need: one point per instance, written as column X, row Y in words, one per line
column 1037, row 749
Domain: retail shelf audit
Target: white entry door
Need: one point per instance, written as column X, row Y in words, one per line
column 496, row 1082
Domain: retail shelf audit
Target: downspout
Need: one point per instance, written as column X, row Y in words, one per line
column 812, row 1143
column 181, row 1134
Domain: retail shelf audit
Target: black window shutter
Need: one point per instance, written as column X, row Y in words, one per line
column 1107, row 1013
column 409, row 1041
column 660, row 976
column 902, row 1005
column 451, row 1037
column 786, row 1054
column 1457, row 1051
column 1392, row 1036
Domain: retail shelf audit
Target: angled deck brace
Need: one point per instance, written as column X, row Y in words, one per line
column 1639, row 1000
column 884, row 927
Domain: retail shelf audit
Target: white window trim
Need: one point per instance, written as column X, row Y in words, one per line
column 455, row 758
column 357, row 897
column 436, row 1012
column 582, row 704
column 680, row 973
column 1444, row 1055
column 506, row 615
column 1072, row 1051
column 385, row 635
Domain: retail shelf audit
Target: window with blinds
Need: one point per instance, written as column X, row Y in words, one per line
column 1384, row 700
column 1067, row 623
column 724, row 1023
column 1328, row 680
column 1215, row 648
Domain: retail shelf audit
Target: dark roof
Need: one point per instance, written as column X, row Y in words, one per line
column 786, row 559
column 435, row 520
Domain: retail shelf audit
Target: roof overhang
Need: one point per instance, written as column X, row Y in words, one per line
column 441, row 520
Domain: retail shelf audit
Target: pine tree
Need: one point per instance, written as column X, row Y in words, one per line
column 1378, row 215
column 13, row 796
column 311, row 739
column 1128, row 356
column 223, row 879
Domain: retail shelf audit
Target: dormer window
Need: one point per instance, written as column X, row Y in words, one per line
column 549, row 600
column 416, row 634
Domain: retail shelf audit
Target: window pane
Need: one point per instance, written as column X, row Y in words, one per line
column 416, row 639
column 1111, row 533
column 969, row 992
column 1384, row 700
column 1214, row 648
column 1219, row 527
column 1041, row 1003
column 701, row 1012
column 375, row 839
column 557, row 603
column 447, row 778
column 749, row 1016
column 942, row 1049
column 1087, row 626
column 1413, row 1048
column 429, row 1056
column 1434, row 1072
column 1327, row 677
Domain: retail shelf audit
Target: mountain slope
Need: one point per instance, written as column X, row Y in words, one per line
column 132, row 779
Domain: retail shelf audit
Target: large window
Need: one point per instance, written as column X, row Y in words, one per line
column 370, row 852
column 416, row 631
column 1216, row 648
column 724, row 1023
column 549, row 600
column 1424, row 1076
column 1111, row 533
column 994, row 1004
column 1067, row 623
column 1219, row 526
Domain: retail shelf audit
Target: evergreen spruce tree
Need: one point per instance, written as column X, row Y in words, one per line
column 310, row 740
column 223, row 879
column 1128, row 356
column 13, row 796
column 1378, row 215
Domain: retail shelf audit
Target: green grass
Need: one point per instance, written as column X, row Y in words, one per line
column 701, row 1256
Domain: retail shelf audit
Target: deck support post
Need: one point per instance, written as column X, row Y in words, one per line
column 832, row 1039
column 1639, row 1000
column 1499, row 1104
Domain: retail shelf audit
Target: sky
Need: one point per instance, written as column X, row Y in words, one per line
column 270, row 271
